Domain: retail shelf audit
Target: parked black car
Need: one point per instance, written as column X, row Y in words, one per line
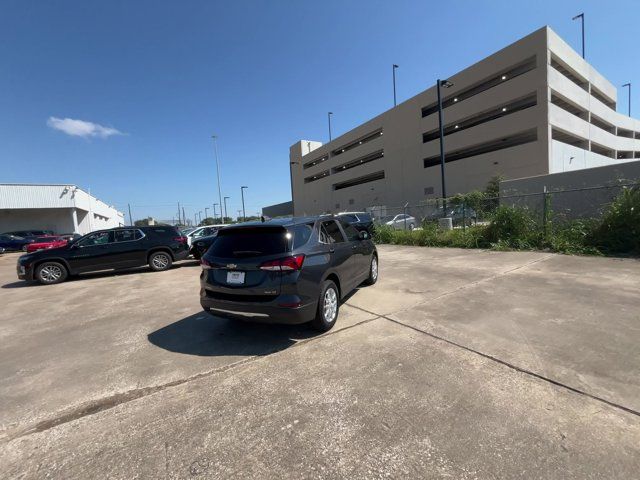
column 200, row 246
column 29, row 233
column 362, row 221
column 11, row 242
column 113, row 249
column 286, row 270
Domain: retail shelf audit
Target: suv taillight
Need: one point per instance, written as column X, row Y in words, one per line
column 286, row 264
column 180, row 239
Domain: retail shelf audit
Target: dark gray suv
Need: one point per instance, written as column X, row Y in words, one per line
column 293, row 270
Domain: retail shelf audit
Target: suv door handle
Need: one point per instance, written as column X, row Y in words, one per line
column 331, row 250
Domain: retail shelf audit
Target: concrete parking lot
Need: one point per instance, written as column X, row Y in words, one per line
column 462, row 364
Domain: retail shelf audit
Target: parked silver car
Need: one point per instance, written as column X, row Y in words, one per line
column 402, row 221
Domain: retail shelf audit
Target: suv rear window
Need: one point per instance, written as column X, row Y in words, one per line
column 249, row 242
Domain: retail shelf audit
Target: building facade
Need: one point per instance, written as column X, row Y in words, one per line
column 59, row 208
column 533, row 108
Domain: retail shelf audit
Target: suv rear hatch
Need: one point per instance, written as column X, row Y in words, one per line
column 233, row 263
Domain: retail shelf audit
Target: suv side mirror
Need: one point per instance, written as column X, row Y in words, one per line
column 363, row 235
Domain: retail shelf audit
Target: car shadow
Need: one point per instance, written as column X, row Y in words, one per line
column 19, row 284
column 206, row 335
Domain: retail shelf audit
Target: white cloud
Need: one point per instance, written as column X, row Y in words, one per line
column 81, row 128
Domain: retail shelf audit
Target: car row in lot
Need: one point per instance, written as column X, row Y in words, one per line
column 293, row 270
column 113, row 249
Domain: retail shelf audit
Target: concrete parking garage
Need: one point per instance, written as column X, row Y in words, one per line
column 469, row 364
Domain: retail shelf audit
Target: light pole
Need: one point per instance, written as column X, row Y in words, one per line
column 394, row 84
column 629, row 85
column 329, row 118
column 215, row 147
column 215, row 217
column 200, row 215
column 206, row 214
column 581, row 17
column 439, row 84
column 225, row 208
column 244, row 215
column 291, row 164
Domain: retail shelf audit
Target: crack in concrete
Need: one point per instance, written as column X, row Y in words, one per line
column 491, row 357
column 99, row 405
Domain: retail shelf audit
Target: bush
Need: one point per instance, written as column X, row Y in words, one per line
column 573, row 237
column 513, row 227
column 619, row 231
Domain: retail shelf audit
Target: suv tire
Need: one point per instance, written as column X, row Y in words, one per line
column 49, row 273
column 373, row 271
column 160, row 261
column 328, row 307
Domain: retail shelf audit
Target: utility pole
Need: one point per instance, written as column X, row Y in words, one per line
column 239, row 212
column 184, row 218
column 130, row 219
column 215, row 216
column 394, row 84
column 629, row 85
column 225, row 209
column 440, row 84
column 244, row 215
column 206, row 214
column 215, row 147
column 179, row 221
column 581, row 17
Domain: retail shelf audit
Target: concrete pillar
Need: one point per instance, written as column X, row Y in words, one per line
column 74, row 220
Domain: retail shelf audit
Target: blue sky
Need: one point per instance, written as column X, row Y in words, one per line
column 260, row 74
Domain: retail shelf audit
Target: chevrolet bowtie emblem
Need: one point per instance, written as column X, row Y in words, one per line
column 231, row 265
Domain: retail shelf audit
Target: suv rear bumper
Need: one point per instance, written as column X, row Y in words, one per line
column 264, row 312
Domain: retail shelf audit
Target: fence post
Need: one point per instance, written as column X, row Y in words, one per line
column 464, row 216
column 545, row 213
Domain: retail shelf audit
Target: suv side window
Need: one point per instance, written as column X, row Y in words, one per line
column 98, row 238
column 300, row 234
column 333, row 232
column 124, row 235
column 350, row 217
column 351, row 231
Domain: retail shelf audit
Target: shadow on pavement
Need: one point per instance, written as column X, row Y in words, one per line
column 19, row 284
column 205, row 335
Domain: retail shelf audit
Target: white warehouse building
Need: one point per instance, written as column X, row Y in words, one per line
column 61, row 208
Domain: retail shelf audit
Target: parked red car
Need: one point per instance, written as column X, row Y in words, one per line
column 43, row 243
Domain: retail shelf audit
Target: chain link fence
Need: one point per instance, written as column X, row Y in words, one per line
column 476, row 208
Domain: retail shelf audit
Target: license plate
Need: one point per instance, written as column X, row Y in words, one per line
column 235, row 277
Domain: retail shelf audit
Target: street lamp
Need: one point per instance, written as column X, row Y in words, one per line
column 581, row 17
column 394, row 84
column 629, row 85
column 329, row 118
column 200, row 215
column 291, row 164
column 244, row 215
column 442, row 84
column 206, row 214
column 215, row 217
column 215, row 147
column 225, row 207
